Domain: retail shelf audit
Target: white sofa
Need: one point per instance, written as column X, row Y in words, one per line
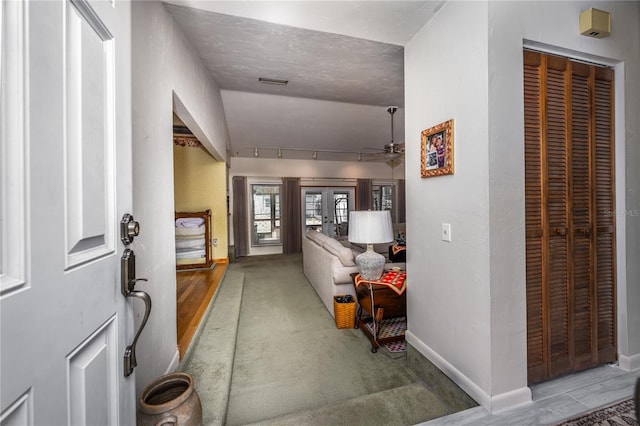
column 327, row 264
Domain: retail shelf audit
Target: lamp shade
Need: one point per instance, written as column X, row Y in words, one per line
column 370, row 227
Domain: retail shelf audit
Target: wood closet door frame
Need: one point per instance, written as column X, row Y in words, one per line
column 570, row 224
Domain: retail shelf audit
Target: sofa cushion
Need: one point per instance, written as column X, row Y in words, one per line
column 317, row 237
column 341, row 252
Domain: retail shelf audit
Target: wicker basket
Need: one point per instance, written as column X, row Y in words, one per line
column 345, row 313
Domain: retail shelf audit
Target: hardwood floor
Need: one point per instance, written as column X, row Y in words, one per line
column 195, row 288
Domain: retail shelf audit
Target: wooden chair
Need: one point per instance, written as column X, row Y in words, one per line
column 637, row 399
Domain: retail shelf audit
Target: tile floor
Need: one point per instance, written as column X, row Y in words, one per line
column 555, row 400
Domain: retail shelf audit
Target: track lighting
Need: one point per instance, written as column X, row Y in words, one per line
column 279, row 153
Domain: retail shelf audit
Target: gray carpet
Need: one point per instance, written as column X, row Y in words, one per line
column 210, row 358
column 293, row 366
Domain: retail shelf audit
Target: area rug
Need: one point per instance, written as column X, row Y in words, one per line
column 392, row 327
column 621, row 413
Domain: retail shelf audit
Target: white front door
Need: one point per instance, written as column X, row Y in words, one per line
column 65, row 184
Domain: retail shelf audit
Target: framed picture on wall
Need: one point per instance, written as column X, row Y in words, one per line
column 436, row 150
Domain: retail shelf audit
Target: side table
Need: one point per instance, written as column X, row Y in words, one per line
column 375, row 303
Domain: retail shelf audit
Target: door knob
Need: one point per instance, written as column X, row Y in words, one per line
column 130, row 361
column 129, row 228
column 561, row 231
column 128, row 282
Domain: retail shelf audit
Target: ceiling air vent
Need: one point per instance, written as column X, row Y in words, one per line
column 273, row 81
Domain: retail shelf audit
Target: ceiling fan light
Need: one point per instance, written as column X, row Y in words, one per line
column 391, row 155
column 315, row 155
column 256, row 153
column 279, row 152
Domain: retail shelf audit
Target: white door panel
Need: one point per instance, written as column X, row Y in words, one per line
column 66, row 182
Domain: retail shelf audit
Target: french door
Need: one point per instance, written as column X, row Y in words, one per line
column 570, row 216
column 327, row 210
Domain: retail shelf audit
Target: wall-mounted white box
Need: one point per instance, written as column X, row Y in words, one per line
column 446, row 232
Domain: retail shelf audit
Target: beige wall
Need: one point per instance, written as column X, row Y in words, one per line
column 199, row 184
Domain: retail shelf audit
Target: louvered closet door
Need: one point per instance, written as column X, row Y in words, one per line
column 570, row 223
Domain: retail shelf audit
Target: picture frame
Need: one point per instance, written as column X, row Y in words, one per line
column 436, row 150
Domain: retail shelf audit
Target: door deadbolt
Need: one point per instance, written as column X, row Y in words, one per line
column 129, row 228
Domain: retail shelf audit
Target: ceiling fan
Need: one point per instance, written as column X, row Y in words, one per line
column 392, row 152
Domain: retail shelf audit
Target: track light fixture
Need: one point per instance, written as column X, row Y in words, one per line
column 278, row 152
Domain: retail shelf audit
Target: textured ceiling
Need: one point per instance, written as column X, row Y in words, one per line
column 343, row 60
column 317, row 65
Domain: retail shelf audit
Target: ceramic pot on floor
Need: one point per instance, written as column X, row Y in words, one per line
column 170, row 400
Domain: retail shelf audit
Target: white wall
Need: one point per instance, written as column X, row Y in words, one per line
column 448, row 299
column 466, row 64
column 314, row 169
column 165, row 70
column 509, row 24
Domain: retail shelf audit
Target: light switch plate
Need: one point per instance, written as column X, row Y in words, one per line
column 446, row 232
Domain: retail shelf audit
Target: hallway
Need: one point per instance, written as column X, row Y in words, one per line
column 553, row 400
column 194, row 291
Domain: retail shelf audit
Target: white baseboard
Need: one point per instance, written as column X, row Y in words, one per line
column 629, row 363
column 493, row 403
column 173, row 365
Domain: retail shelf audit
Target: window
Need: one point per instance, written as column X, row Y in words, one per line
column 341, row 213
column 313, row 211
column 383, row 198
column 265, row 214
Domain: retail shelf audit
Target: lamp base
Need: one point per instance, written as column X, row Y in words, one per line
column 370, row 264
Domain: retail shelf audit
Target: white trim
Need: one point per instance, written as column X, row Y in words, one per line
column 82, row 248
column 103, row 340
column 622, row 317
column 568, row 53
column 263, row 181
column 20, row 411
column 332, row 182
column 14, row 137
column 494, row 404
column 629, row 363
column 175, row 361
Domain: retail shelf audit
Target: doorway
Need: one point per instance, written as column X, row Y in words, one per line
column 197, row 196
column 570, row 215
column 326, row 209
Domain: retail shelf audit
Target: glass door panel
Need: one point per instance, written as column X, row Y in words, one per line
column 327, row 210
